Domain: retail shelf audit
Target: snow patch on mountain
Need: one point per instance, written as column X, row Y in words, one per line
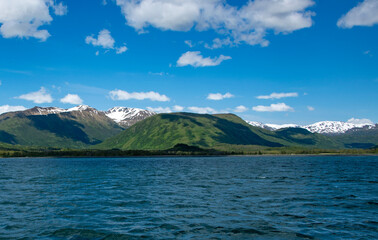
column 332, row 127
column 48, row 110
column 128, row 116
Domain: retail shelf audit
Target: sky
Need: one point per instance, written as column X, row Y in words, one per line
column 271, row 61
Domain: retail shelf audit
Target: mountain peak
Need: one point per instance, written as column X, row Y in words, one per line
column 128, row 116
column 80, row 108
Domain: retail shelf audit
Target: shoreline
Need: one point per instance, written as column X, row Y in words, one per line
column 203, row 156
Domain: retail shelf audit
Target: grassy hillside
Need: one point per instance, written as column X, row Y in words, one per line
column 360, row 138
column 221, row 131
column 64, row 130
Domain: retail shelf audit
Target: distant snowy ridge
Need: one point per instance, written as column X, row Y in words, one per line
column 56, row 110
column 324, row 127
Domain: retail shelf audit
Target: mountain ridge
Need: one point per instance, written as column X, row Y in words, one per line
column 323, row 127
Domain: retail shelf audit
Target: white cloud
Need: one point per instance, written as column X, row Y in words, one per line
column 310, row 108
column 7, row 108
column 175, row 108
column 106, row 41
column 60, row 9
column 219, row 43
column 40, row 96
column 189, row 43
column 202, row 110
column 123, row 95
column 240, row 109
column 219, row 96
column 72, row 99
column 121, row 50
column 364, row 14
column 360, row 121
column 279, row 107
column 248, row 24
column 178, row 108
column 160, row 109
column 23, row 19
column 195, row 59
column 278, row 95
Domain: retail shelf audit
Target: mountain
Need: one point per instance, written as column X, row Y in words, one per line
column 365, row 137
column 335, row 127
column 127, row 117
column 324, row 127
column 77, row 127
column 219, row 131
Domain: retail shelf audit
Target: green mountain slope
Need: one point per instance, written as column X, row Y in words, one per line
column 76, row 129
column 358, row 138
column 164, row 131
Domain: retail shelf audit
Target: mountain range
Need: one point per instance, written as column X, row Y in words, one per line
column 324, row 127
column 124, row 128
column 77, row 127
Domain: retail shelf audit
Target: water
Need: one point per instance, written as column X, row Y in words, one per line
column 190, row 198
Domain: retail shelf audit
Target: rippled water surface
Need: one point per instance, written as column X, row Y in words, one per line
column 190, row 198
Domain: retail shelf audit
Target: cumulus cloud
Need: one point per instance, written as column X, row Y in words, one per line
column 279, row 107
column 72, row 99
column 121, row 50
column 23, row 19
column 40, row 96
column 278, row 95
column 175, row 108
column 310, row 108
column 195, row 59
column 364, row 14
column 363, row 121
column 248, row 24
column 160, row 109
column 123, row 95
column 178, row 108
column 7, row 108
column 202, row 110
column 219, row 96
column 104, row 40
column 240, row 109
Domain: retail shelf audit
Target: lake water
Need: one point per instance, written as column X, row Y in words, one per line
column 190, row 198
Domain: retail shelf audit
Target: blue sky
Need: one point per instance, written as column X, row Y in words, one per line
column 293, row 61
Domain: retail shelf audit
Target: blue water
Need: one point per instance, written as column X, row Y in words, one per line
column 190, row 198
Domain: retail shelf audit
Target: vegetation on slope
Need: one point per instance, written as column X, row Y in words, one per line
column 221, row 131
column 70, row 129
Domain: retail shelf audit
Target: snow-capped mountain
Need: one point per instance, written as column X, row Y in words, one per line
column 331, row 127
column 123, row 116
column 324, row 127
column 128, row 116
column 56, row 110
column 44, row 110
